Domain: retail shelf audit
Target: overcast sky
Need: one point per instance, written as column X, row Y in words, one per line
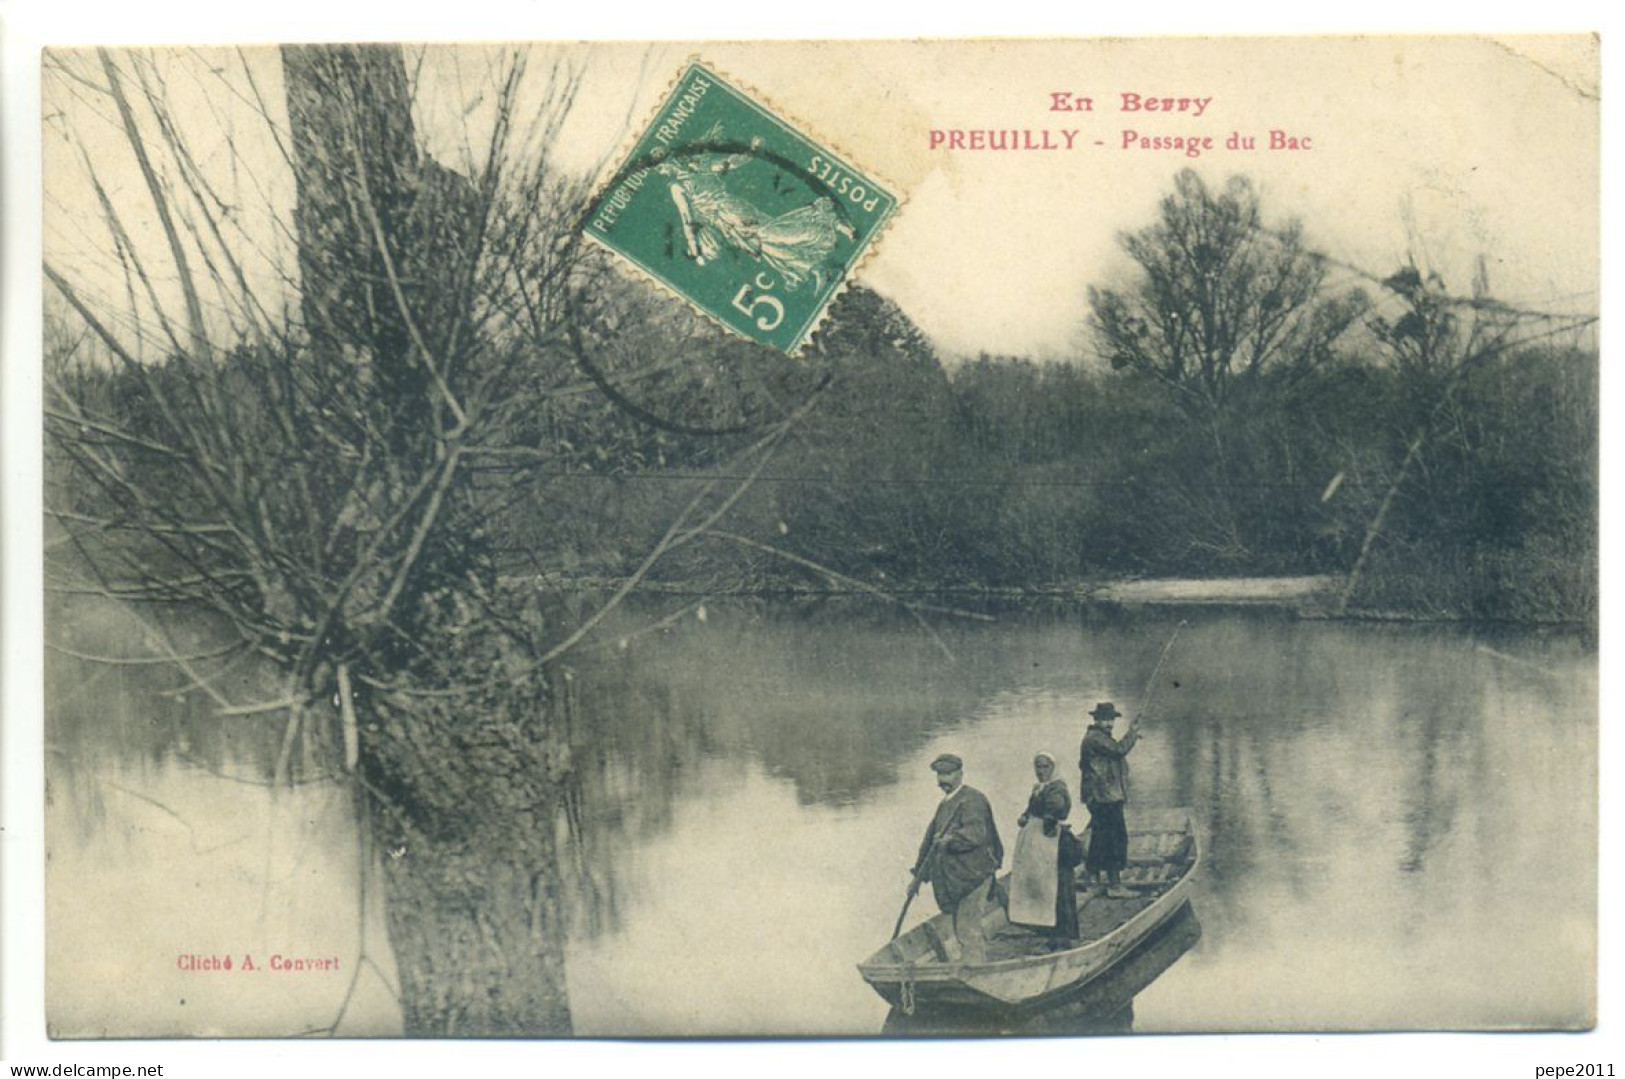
column 1458, row 146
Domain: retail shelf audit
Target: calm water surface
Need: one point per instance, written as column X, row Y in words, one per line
column 1399, row 822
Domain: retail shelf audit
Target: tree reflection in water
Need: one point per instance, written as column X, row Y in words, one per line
column 1345, row 779
column 830, row 697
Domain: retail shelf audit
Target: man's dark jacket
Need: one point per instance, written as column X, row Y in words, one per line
column 968, row 852
column 1103, row 762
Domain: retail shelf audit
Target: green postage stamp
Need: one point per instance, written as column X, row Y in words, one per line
column 735, row 210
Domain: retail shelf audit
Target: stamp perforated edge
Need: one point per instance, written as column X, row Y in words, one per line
column 623, row 154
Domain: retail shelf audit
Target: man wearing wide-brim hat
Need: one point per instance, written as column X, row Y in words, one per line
column 959, row 855
column 1103, row 761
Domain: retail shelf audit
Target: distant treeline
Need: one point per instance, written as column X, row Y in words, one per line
column 1008, row 473
column 1231, row 416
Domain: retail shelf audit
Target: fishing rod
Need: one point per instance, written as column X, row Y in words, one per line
column 1151, row 684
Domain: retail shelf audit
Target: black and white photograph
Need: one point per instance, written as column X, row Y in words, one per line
column 1157, row 594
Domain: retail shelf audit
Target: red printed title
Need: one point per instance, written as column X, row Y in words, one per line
column 1165, row 123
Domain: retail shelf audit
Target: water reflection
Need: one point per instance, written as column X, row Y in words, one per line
column 1351, row 781
column 748, row 790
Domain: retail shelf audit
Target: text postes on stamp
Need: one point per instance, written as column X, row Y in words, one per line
column 734, row 209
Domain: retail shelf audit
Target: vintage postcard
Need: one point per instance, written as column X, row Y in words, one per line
column 821, row 538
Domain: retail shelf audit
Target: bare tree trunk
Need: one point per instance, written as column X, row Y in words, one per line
column 1225, row 488
column 477, row 945
column 462, row 786
column 464, row 800
column 476, row 923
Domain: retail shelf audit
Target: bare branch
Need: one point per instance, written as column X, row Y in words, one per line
column 147, row 661
column 807, row 563
column 676, row 535
column 381, row 243
column 160, row 200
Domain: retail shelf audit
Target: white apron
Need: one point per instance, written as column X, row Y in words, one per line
column 1033, row 878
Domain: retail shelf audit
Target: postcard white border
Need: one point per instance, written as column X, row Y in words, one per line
column 26, row 25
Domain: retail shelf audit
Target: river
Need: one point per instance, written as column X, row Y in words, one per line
column 1399, row 821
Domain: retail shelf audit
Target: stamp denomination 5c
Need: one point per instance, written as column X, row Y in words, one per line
column 734, row 209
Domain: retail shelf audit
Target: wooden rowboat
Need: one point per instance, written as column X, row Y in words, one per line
column 1026, row 970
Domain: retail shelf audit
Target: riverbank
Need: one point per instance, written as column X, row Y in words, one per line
column 1301, row 593
column 1294, row 592
column 1311, row 596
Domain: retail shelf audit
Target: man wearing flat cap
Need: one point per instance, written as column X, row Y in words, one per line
column 1104, row 763
column 959, row 855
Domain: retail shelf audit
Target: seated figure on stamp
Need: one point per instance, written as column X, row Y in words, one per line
column 796, row 243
